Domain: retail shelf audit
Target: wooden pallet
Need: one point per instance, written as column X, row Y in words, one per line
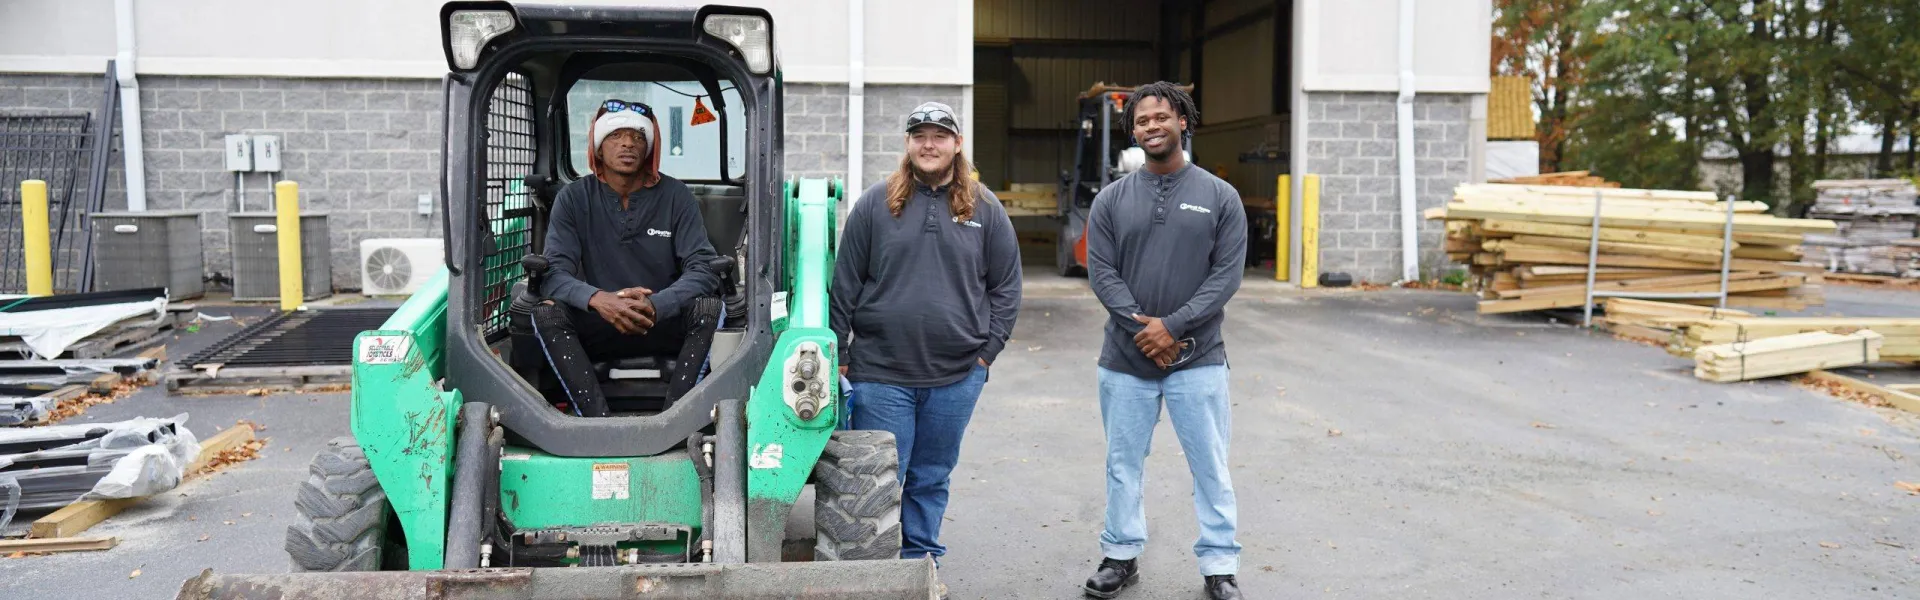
column 119, row 338
column 242, row 379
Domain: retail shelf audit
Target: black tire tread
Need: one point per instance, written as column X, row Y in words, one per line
column 857, row 498
column 340, row 513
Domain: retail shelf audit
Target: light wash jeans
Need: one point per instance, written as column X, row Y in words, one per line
column 1196, row 398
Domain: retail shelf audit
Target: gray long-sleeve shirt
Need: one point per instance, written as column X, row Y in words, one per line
column 659, row 242
column 1169, row 246
column 918, row 298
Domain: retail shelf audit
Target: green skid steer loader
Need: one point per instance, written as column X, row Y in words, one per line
column 463, row 481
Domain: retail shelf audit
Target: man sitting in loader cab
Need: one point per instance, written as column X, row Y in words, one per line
column 631, row 269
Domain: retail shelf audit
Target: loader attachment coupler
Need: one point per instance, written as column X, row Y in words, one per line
column 897, row 579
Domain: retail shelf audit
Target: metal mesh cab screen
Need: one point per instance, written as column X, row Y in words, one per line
column 510, row 156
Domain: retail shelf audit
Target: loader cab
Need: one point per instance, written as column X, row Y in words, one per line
column 525, row 83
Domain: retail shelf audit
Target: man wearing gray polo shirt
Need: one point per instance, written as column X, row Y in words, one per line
column 1165, row 249
column 925, row 291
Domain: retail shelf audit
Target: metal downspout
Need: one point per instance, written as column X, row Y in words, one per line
column 130, row 139
column 1409, row 233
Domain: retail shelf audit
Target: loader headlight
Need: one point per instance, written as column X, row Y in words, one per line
column 751, row 35
column 469, row 30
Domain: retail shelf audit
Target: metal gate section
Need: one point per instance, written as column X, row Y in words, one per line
column 295, row 349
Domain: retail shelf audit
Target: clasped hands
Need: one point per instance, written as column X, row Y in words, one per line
column 629, row 310
column 1156, row 342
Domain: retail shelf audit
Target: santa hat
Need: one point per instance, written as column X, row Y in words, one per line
column 605, row 123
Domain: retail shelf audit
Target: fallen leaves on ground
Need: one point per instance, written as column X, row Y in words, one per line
column 1842, row 392
column 1654, row 513
column 235, row 455
column 135, row 573
column 1829, row 545
column 204, row 537
column 1540, row 425
column 1335, row 433
column 1912, row 489
column 17, row 554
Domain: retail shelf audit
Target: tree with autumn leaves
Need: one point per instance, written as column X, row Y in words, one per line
column 1640, row 90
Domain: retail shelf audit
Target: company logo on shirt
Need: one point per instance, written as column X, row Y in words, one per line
column 1199, row 209
column 967, row 223
column 660, row 233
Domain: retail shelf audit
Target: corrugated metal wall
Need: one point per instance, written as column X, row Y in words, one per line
column 1064, row 19
column 1034, row 58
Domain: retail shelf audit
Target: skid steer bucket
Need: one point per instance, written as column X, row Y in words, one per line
column 866, row 579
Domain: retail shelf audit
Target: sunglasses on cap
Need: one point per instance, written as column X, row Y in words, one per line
column 614, row 106
column 935, row 116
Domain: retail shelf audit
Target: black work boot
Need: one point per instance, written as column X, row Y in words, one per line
column 1113, row 576
column 1222, row 587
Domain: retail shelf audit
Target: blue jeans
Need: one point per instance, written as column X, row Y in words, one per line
column 1197, row 400
column 927, row 424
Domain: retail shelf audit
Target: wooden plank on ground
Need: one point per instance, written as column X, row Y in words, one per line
column 1901, row 400
column 77, row 517
column 64, row 544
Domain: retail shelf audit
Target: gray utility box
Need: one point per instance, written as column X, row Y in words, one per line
column 256, row 255
column 149, row 249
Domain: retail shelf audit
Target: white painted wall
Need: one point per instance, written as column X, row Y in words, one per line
column 920, row 42
column 1352, row 45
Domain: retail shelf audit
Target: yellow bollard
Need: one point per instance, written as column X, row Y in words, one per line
column 286, row 204
column 1310, row 231
column 33, row 225
column 1282, row 221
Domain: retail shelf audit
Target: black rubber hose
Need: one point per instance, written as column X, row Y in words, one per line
column 705, row 473
column 466, row 521
column 730, row 484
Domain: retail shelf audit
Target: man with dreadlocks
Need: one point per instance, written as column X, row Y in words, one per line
column 631, row 267
column 924, row 296
column 1165, row 249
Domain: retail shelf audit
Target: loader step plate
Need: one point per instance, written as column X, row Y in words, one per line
column 866, row 579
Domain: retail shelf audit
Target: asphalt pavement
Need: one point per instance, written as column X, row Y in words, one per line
column 1386, row 444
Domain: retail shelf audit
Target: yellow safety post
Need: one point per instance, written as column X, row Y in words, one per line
column 1282, row 231
column 1310, row 231
column 34, row 226
column 286, row 205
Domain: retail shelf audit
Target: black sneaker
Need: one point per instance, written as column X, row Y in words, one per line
column 1112, row 576
column 1222, row 587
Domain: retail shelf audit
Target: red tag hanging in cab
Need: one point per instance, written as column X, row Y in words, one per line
column 701, row 115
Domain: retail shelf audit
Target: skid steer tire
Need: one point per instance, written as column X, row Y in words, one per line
column 341, row 514
column 856, row 498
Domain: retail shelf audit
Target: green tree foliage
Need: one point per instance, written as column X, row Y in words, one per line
column 1772, row 82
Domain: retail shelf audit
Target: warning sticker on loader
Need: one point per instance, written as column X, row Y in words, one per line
column 383, row 349
column 610, row 481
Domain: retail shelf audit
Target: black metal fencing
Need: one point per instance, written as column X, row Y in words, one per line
column 69, row 151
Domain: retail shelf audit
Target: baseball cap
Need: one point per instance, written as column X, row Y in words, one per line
column 934, row 113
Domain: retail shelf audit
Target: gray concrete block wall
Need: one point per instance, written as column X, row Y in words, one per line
column 362, row 150
column 817, row 127
column 1351, row 144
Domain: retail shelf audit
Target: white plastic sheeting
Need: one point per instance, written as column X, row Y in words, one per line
column 1512, row 159
column 152, row 467
column 50, row 332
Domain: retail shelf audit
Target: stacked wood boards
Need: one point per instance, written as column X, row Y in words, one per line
column 1528, row 246
column 1785, row 355
column 1872, row 215
column 1901, row 336
column 1563, row 178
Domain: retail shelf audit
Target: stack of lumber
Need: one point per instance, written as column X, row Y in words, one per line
column 1527, row 246
column 1655, row 321
column 1029, row 198
column 1785, row 355
column 1902, row 336
column 1870, row 216
column 1563, row 178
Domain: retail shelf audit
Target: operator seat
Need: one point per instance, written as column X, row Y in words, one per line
column 635, row 385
